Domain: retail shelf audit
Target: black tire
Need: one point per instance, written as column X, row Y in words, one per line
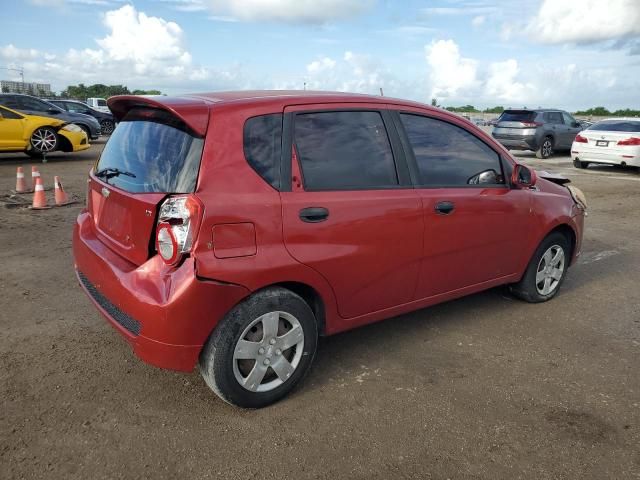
column 222, row 371
column 43, row 140
column 527, row 288
column 106, row 127
column 580, row 164
column 546, row 148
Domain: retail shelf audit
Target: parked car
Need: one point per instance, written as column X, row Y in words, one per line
column 35, row 135
column 615, row 141
column 106, row 120
column 36, row 106
column 543, row 131
column 229, row 230
column 99, row 104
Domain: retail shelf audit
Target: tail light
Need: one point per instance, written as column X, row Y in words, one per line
column 178, row 223
column 630, row 141
column 581, row 139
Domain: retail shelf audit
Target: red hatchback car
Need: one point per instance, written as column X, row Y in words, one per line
column 231, row 229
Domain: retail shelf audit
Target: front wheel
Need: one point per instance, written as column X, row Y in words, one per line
column 546, row 149
column 546, row 270
column 261, row 349
column 43, row 140
column 106, row 127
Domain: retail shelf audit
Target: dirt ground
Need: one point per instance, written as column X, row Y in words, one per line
column 485, row 387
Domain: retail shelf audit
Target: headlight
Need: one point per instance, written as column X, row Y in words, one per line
column 578, row 196
column 71, row 127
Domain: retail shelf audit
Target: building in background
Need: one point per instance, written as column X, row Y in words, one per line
column 38, row 89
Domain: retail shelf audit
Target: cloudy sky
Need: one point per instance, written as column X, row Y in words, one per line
column 565, row 53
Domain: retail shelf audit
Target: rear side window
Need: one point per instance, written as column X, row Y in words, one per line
column 525, row 116
column 553, row 117
column 344, row 150
column 151, row 151
column 450, row 156
column 9, row 115
column 262, row 146
column 631, row 126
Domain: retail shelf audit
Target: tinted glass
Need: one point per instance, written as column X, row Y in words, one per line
column 517, row 116
column 102, row 103
column 76, row 107
column 553, row 117
column 568, row 119
column 448, row 155
column 9, row 101
column 262, row 146
column 28, row 103
column 344, row 150
column 632, row 126
column 155, row 153
column 9, row 115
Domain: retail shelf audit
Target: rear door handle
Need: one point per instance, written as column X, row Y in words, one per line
column 444, row 208
column 314, row 214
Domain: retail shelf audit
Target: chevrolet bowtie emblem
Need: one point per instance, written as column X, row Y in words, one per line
column 105, row 192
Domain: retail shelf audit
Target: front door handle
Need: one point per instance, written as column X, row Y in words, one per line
column 444, row 208
column 314, row 214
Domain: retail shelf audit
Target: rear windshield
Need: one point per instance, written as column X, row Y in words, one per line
column 617, row 126
column 102, row 103
column 517, row 116
column 151, row 151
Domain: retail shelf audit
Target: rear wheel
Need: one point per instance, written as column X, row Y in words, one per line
column 580, row 164
column 43, row 140
column 546, row 270
column 261, row 349
column 546, row 148
column 106, row 127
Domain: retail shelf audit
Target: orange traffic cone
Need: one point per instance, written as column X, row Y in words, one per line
column 61, row 196
column 39, row 198
column 34, row 175
column 21, row 186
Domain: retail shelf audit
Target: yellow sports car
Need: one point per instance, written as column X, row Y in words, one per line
column 36, row 135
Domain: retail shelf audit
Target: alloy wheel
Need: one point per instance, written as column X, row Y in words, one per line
column 44, row 140
column 550, row 270
column 268, row 352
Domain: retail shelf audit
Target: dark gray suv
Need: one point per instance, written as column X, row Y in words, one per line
column 543, row 131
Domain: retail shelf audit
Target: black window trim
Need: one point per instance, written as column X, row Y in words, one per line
column 277, row 168
column 413, row 164
column 11, row 112
column 399, row 160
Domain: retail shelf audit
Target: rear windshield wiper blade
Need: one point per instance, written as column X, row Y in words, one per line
column 110, row 172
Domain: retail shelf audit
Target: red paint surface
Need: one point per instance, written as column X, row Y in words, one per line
column 379, row 254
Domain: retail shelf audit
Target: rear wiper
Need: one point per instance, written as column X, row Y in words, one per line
column 111, row 172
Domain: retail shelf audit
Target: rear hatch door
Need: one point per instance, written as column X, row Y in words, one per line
column 150, row 155
column 516, row 122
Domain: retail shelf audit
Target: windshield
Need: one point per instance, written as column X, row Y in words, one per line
column 525, row 116
column 151, row 151
column 617, row 126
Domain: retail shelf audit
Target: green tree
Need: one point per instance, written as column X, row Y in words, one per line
column 498, row 109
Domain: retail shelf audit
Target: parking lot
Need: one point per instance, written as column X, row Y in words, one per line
column 485, row 387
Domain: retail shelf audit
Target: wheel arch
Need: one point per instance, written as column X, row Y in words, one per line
column 568, row 231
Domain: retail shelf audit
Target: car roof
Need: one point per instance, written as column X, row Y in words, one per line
column 193, row 109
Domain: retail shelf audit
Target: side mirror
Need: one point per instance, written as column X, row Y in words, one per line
column 576, row 124
column 53, row 110
column 523, row 177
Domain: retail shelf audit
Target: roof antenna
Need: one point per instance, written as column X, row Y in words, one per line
column 381, row 92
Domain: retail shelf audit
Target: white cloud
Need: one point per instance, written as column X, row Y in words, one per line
column 321, row 65
column 479, row 20
column 585, row 21
column 139, row 50
column 290, row 11
column 451, row 75
column 502, row 83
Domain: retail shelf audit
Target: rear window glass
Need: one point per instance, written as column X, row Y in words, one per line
column 617, row 126
column 262, row 146
column 102, row 103
column 517, row 116
column 151, row 151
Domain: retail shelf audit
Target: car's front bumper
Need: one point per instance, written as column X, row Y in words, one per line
column 166, row 314
column 78, row 140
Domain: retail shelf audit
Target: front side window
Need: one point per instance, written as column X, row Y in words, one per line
column 344, row 150
column 262, row 146
column 9, row 115
column 27, row 103
column 568, row 119
column 450, row 156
